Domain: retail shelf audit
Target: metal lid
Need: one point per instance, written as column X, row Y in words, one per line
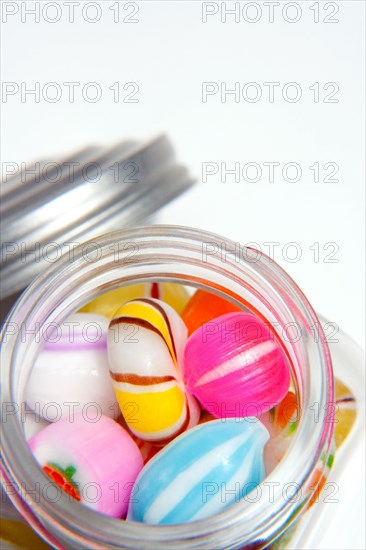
column 54, row 206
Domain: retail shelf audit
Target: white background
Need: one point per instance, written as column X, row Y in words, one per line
column 169, row 53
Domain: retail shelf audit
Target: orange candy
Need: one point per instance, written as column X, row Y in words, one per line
column 148, row 450
column 206, row 417
column 203, row 307
column 286, row 412
column 316, row 486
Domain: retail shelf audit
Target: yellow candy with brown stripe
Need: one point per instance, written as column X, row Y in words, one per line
column 146, row 339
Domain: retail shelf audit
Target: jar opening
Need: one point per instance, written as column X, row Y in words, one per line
column 173, row 254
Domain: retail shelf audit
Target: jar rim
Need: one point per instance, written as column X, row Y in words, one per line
column 158, row 246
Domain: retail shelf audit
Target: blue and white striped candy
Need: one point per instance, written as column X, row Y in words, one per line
column 201, row 472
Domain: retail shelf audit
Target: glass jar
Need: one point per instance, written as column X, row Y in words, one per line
column 190, row 257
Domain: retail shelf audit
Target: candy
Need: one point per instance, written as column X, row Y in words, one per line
column 320, row 476
column 234, row 366
column 33, row 424
column 206, row 417
column 107, row 304
column 145, row 348
column 72, row 370
column 281, row 422
column 173, row 294
column 203, row 307
column 147, row 450
column 83, row 456
column 345, row 412
column 201, row 472
column 283, row 418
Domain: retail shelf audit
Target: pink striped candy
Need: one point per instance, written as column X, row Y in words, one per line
column 235, row 367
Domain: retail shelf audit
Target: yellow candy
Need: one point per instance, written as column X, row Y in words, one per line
column 106, row 304
column 145, row 348
column 344, row 416
column 166, row 400
column 173, row 294
column 345, row 412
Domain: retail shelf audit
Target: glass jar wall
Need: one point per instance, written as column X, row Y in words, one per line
column 199, row 259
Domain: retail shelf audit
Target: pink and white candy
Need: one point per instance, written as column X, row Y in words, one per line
column 235, row 367
column 103, row 460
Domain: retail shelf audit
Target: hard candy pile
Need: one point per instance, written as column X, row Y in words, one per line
column 162, row 400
